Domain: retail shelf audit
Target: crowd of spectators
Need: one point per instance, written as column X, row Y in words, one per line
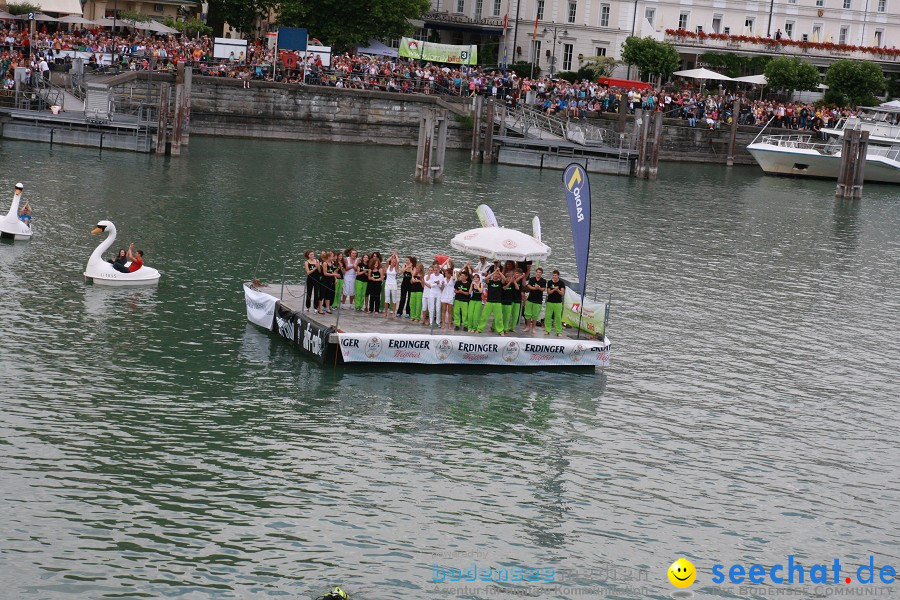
column 709, row 108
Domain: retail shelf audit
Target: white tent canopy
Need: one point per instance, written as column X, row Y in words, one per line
column 702, row 74
column 891, row 104
column 75, row 19
column 755, row 79
column 376, row 47
column 500, row 243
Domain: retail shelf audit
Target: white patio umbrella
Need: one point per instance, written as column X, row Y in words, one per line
column 37, row 17
column 6, row 15
column 754, row 79
column 703, row 73
column 158, row 27
column 76, row 20
column 107, row 22
column 500, row 243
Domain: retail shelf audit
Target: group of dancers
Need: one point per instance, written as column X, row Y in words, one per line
column 453, row 299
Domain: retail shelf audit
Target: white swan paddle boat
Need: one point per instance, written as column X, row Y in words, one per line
column 101, row 272
column 11, row 226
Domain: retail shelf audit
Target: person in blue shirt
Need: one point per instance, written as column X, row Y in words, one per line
column 25, row 214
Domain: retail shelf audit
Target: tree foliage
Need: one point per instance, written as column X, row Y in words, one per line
column 649, row 56
column 21, row 8
column 239, row 14
column 596, row 67
column 854, row 83
column 346, row 23
column 136, row 17
column 791, row 74
column 524, row 69
column 735, row 65
column 190, row 27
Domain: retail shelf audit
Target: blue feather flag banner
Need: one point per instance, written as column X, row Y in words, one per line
column 578, row 198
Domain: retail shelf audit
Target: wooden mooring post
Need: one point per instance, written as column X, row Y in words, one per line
column 853, row 164
column 425, row 171
column 162, row 120
column 732, row 140
column 178, row 117
column 653, row 168
column 477, row 105
column 623, row 113
column 488, row 130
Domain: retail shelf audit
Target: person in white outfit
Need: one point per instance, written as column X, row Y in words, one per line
column 448, row 294
column 432, row 296
column 350, row 263
column 391, row 291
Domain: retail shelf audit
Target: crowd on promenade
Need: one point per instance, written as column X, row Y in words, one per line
column 441, row 295
column 711, row 108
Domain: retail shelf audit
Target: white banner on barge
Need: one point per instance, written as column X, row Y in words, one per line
column 468, row 350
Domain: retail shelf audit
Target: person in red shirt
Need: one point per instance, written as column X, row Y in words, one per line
column 136, row 258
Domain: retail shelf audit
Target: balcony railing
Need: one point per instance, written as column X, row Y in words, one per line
column 781, row 47
column 446, row 17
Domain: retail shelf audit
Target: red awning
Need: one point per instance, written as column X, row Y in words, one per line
column 624, row 83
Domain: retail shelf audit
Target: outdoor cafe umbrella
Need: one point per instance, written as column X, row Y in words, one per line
column 37, row 17
column 759, row 80
column 76, row 20
column 500, row 243
column 158, row 27
column 6, row 15
column 702, row 74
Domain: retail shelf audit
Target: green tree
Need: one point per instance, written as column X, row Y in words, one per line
column 596, row 67
column 650, row 57
column 735, row 65
column 854, row 83
column 346, row 23
column 239, row 14
column 791, row 74
column 21, row 8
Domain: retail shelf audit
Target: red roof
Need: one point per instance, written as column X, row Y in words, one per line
column 624, row 83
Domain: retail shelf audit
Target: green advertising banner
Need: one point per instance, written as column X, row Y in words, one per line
column 591, row 319
column 445, row 53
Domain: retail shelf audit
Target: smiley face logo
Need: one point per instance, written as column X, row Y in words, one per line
column 682, row 573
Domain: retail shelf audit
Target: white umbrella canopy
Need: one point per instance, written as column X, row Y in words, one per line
column 703, row 73
column 500, row 243
column 107, row 22
column 37, row 17
column 158, row 27
column 891, row 104
column 6, row 15
column 76, row 20
column 755, row 79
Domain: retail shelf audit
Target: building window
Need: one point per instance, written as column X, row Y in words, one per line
column 540, row 10
column 847, row 4
column 882, row 6
column 792, row 1
column 804, row 38
column 157, row 8
column 573, row 8
column 879, row 37
column 460, row 6
column 650, row 15
column 699, row 28
column 479, row 5
column 749, row 23
column 683, row 20
column 536, row 57
column 820, row 2
column 496, row 8
column 604, row 15
column 717, row 24
column 601, row 51
column 817, row 32
column 842, row 36
column 727, row 30
column 567, row 57
column 789, row 29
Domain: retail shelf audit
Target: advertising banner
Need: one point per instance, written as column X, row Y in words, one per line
column 229, row 48
column 446, row 53
column 593, row 317
column 260, row 307
column 469, row 350
column 285, row 323
column 313, row 339
column 578, row 198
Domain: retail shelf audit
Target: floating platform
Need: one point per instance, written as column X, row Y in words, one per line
column 350, row 337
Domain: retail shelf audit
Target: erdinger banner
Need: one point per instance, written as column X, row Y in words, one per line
column 260, row 307
column 593, row 317
column 467, row 350
column 432, row 52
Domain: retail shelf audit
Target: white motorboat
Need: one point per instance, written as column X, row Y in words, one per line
column 102, row 272
column 809, row 156
column 11, row 226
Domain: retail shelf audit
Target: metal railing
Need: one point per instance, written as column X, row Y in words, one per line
column 537, row 124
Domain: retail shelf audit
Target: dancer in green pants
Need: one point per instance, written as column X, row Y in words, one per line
column 493, row 305
column 475, row 302
column 556, row 290
column 535, row 287
column 362, row 282
column 416, row 287
column 461, row 302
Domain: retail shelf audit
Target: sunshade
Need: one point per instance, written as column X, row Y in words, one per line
column 756, row 79
column 76, row 20
column 500, row 243
column 702, row 74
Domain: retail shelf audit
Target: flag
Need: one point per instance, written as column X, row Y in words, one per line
column 486, row 216
column 535, row 26
column 578, row 197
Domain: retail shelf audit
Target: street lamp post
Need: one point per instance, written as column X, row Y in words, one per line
column 565, row 33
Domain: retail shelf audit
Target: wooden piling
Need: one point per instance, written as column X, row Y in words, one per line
column 860, row 171
column 488, row 131
column 477, row 102
column 162, row 120
column 623, row 113
column 177, row 117
column 186, row 107
column 653, row 169
column 732, row 140
column 423, row 151
column 853, row 152
column 443, row 124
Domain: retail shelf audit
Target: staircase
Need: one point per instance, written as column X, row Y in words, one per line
column 535, row 124
column 54, row 95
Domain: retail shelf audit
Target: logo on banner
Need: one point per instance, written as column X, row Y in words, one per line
column 577, row 353
column 443, row 349
column 509, row 244
column 373, row 347
column 285, row 327
column 312, row 341
column 470, row 236
column 510, row 352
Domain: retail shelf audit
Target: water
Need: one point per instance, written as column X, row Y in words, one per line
column 153, row 444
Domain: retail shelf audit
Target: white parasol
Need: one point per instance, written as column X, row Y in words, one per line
column 702, row 74
column 754, row 79
column 76, row 20
column 500, row 243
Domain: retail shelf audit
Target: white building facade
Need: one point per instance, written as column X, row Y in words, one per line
column 569, row 31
